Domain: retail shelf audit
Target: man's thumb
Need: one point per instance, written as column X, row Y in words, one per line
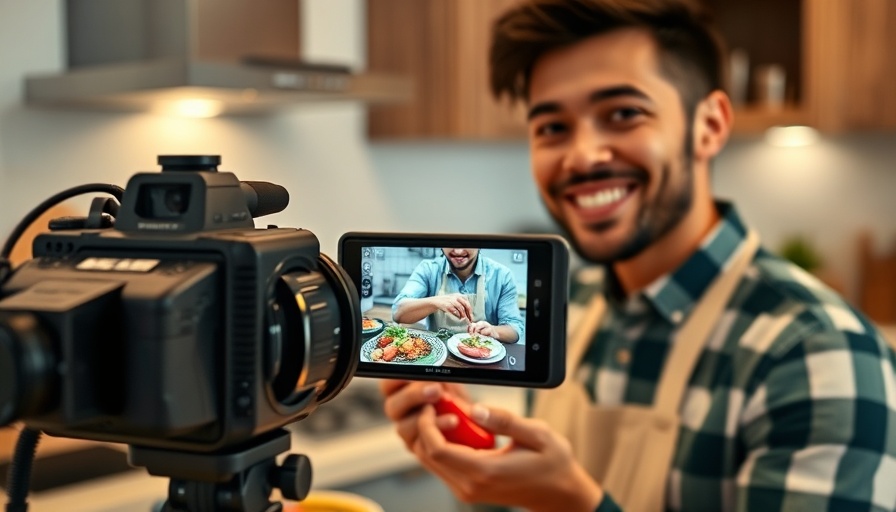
column 502, row 422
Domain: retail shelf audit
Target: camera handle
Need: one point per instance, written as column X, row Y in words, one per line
column 238, row 481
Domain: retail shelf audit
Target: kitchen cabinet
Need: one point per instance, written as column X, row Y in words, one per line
column 836, row 55
column 855, row 85
column 443, row 46
column 877, row 281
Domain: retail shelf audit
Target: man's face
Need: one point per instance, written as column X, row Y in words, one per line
column 609, row 144
column 461, row 259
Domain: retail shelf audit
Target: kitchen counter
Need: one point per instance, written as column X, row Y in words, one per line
column 377, row 451
column 339, row 461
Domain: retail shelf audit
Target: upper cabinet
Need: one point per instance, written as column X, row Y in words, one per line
column 851, row 59
column 826, row 63
column 830, row 60
column 443, row 46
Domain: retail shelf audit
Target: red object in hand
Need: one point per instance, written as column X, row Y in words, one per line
column 467, row 432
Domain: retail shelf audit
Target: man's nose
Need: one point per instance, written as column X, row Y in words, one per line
column 590, row 148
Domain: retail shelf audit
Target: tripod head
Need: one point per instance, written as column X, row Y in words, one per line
column 237, row 480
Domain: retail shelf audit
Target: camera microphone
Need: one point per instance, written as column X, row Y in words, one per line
column 264, row 198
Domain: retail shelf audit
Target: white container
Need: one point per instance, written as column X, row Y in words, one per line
column 770, row 84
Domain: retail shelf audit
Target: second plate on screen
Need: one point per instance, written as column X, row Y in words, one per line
column 498, row 350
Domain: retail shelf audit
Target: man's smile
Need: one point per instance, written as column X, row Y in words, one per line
column 598, row 200
column 459, row 261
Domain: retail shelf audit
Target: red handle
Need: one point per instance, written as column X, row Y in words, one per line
column 466, row 432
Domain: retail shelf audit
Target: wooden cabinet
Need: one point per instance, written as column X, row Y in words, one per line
column 839, row 58
column 765, row 33
column 877, row 273
column 851, row 60
column 443, row 46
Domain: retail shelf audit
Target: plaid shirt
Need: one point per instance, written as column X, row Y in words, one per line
column 792, row 404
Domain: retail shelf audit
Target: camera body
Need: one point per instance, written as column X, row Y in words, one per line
column 183, row 328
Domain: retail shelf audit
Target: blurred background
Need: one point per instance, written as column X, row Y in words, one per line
column 414, row 139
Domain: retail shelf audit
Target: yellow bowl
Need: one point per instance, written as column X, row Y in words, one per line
column 333, row 501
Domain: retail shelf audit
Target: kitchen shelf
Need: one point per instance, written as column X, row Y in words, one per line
column 755, row 120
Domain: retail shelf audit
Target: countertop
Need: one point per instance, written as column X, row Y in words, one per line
column 339, row 461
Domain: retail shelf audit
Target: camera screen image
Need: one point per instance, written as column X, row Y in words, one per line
column 486, row 309
column 494, row 294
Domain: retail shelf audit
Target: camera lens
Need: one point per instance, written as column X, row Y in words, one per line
column 27, row 367
column 311, row 349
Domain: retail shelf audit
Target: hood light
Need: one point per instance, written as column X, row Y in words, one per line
column 191, row 108
column 791, row 136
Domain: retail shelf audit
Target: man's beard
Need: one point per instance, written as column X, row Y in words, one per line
column 654, row 220
column 469, row 264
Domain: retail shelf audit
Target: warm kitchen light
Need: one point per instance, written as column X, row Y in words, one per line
column 791, row 136
column 195, row 108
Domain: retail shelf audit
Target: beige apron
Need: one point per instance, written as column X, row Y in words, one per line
column 442, row 320
column 628, row 449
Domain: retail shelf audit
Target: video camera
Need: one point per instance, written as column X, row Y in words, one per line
column 170, row 323
column 183, row 331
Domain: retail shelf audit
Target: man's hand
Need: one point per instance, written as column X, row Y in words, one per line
column 410, row 310
column 536, row 470
column 484, row 328
column 502, row 333
column 454, row 304
column 405, row 400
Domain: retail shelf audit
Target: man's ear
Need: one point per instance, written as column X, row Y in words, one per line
column 713, row 120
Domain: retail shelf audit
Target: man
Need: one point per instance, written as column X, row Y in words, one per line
column 462, row 293
column 704, row 374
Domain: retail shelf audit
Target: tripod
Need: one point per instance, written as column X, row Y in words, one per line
column 239, row 480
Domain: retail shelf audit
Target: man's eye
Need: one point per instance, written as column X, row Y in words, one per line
column 549, row 129
column 625, row 114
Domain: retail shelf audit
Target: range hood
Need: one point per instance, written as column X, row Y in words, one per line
column 218, row 56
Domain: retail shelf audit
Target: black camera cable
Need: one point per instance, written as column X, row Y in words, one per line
column 52, row 201
column 19, row 473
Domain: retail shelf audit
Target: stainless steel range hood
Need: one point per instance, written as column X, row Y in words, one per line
column 232, row 56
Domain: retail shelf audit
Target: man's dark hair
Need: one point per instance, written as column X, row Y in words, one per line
column 692, row 55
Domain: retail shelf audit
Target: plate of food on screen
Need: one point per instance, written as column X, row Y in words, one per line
column 400, row 345
column 371, row 326
column 476, row 348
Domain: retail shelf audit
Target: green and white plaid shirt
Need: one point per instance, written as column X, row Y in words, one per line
column 792, row 405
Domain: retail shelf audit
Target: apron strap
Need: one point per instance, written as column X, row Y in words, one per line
column 440, row 319
column 583, row 330
column 690, row 340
